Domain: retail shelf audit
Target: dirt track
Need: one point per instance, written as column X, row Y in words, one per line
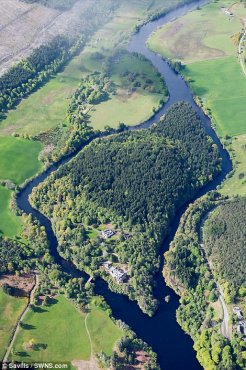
column 24, row 27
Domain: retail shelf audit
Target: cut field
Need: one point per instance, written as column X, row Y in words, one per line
column 19, row 159
column 24, row 27
column 200, row 35
column 10, row 308
column 10, row 224
column 58, row 333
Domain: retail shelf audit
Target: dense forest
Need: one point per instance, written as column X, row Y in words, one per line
column 225, row 242
column 188, row 273
column 135, row 181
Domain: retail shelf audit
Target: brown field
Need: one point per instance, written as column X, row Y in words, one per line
column 23, row 283
column 24, row 27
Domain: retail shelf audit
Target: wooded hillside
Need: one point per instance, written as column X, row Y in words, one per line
column 225, row 242
column 135, row 180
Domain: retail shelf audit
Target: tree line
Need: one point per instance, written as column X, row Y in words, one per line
column 28, row 74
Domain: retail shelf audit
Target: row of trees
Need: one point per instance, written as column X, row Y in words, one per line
column 28, row 74
column 137, row 180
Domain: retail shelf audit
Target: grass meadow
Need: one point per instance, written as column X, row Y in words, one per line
column 58, row 332
column 10, row 308
column 19, row 158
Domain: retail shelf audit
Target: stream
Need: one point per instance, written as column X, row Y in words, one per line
column 173, row 347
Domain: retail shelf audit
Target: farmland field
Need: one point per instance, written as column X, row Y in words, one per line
column 59, row 333
column 205, row 41
column 10, row 308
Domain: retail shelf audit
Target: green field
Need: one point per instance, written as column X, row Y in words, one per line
column 102, row 330
column 19, row 159
column 59, row 333
column 200, row 35
column 10, row 224
column 220, row 82
column 10, row 308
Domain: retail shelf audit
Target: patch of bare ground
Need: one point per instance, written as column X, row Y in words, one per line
column 24, row 27
column 142, row 358
column 23, row 283
column 124, row 95
column 86, row 365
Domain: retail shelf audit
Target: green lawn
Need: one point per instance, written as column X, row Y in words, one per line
column 10, row 224
column 60, row 334
column 19, row 159
column 10, row 309
column 199, row 35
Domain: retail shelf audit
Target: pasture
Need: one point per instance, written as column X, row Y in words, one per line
column 10, row 308
column 57, row 332
column 200, row 35
column 10, row 224
column 19, row 159
column 220, row 82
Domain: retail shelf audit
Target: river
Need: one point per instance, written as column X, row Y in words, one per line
column 173, row 347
